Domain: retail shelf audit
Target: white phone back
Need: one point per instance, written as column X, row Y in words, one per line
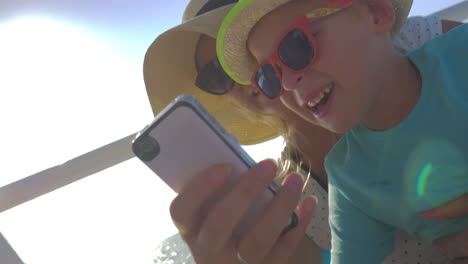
column 190, row 140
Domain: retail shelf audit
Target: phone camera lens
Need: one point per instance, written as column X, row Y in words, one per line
column 146, row 148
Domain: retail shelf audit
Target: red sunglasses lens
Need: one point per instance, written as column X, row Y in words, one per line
column 296, row 50
column 268, row 81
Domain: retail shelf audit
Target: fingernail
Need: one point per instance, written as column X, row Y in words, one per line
column 294, row 182
column 315, row 199
column 267, row 168
column 182, row 229
column 433, row 214
column 271, row 162
column 311, row 204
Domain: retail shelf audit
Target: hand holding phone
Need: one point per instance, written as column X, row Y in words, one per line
column 183, row 140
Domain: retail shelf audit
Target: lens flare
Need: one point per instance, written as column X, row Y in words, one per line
column 435, row 173
column 422, row 179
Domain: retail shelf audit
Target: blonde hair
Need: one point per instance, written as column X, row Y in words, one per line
column 289, row 161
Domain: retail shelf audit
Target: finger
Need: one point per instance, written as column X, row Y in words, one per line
column 452, row 209
column 219, row 225
column 287, row 244
column 454, row 245
column 186, row 207
column 259, row 241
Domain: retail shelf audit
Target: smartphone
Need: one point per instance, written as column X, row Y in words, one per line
column 184, row 139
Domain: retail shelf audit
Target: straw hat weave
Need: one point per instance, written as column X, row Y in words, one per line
column 231, row 47
column 169, row 70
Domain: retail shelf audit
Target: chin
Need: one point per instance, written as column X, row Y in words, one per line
column 338, row 128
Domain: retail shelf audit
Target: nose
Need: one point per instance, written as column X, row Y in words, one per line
column 291, row 79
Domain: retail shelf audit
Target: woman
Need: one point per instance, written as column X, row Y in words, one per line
column 182, row 52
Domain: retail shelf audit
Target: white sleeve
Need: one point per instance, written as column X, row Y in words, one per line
column 417, row 31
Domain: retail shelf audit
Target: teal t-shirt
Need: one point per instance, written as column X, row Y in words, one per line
column 380, row 181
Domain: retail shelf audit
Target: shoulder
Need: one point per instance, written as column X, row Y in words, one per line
column 451, row 46
column 341, row 152
column 422, row 24
column 416, row 32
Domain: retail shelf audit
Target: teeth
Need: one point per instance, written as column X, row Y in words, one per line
column 313, row 103
column 316, row 101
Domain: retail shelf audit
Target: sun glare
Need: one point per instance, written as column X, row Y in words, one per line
column 56, row 75
column 63, row 92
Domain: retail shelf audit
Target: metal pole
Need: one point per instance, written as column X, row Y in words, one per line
column 7, row 253
column 73, row 170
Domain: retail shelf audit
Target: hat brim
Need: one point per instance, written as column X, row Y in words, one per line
column 169, row 71
column 233, row 34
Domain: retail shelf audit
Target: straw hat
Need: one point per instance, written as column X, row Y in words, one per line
column 169, row 70
column 232, row 52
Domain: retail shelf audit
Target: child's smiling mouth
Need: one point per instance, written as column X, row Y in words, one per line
column 317, row 103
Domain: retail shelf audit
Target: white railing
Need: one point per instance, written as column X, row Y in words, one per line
column 7, row 254
column 457, row 12
column 73, row 170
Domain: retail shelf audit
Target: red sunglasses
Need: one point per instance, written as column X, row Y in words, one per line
column 296, row 51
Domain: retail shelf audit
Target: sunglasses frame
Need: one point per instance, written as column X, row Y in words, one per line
column 274, row 59
column 302, row 24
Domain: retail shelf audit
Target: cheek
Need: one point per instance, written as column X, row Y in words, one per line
column 269, row 107
column 342, row 44
column 345, row 58
column 339, row 50
column 289, row 102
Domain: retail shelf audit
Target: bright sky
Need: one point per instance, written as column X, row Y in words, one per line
column 70, row 82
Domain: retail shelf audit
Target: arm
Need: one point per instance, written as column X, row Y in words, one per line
column 448, row 25
column 456, row 244
column 356, row 237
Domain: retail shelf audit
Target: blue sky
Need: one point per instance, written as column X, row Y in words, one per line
column 132, row 25
column 425, row 7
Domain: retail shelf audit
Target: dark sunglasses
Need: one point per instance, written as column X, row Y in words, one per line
column 212, row 79
column 296, row 51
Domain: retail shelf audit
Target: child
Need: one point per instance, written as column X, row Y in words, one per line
column 405, row 148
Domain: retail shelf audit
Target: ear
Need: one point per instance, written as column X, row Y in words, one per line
column 383, row 14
